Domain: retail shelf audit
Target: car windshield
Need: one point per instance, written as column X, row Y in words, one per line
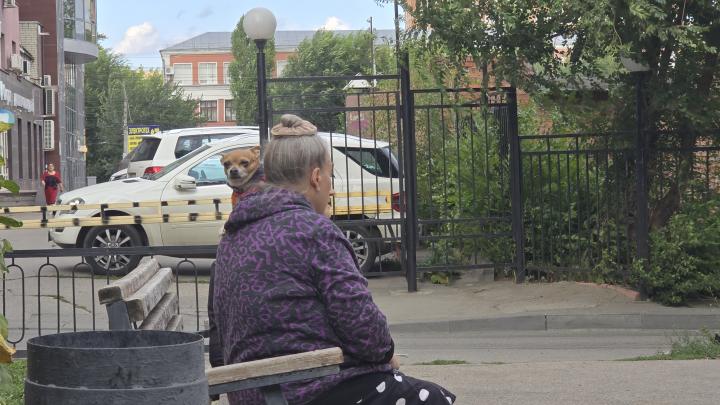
column 174, row 165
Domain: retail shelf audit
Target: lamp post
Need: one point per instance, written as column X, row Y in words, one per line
column 259, row 25
column 642, row 221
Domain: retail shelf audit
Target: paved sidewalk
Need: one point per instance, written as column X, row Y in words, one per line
column 504, row 305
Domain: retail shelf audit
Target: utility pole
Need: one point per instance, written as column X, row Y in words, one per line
column 126, row 111
column 372, row 51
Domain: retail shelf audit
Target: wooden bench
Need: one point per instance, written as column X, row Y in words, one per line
column 268, row 374
column 143, row 296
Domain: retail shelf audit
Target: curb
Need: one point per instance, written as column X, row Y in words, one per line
column 564, row 322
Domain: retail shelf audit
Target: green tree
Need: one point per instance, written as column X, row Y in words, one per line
column 150, row 101
column 544, row 45
column 243, row 74
column 330, row 54
column 547, row 47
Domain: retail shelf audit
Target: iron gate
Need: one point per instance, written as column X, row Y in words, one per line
column 448, row 149
column 464, row 178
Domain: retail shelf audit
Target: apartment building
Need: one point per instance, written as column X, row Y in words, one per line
column 21, row 106
column 200, row 66
column 68, row 40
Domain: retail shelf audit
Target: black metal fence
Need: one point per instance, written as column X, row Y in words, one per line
column 463, row 175
column 578, row 194
column 453, row 165
column 582, row 202
column 361, row 123
column 54, row 290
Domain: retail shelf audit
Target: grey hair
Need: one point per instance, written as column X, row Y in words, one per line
column 289, row 159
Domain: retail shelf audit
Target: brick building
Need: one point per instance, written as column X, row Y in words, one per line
column 200, row 65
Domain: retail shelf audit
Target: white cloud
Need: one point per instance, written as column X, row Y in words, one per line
column 138, row 39
column 334, row 23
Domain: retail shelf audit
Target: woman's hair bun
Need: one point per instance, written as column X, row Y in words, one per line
column 292, row 125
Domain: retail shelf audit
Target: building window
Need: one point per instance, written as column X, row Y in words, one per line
column 280, row 67
column 230, row 111
column 80, row 19
column 226, row 72
column 208, row 110
column 183, row 74
column 207, row 73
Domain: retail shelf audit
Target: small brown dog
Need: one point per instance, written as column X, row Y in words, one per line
column 243, row 170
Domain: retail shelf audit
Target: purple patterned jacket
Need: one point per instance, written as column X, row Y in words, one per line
column 287, row 281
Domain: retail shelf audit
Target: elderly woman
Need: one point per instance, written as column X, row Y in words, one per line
column 287, row 281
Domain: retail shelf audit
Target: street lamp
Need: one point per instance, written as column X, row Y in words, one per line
column 642, row 225
column 259, row 25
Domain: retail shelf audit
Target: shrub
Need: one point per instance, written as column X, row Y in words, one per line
column 685, row 256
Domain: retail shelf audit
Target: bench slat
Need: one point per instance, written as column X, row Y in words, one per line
column 129, row 284
column 275, row 365
column 175, row 324
column 274, row 379
column 160, row 316
column 144, row 300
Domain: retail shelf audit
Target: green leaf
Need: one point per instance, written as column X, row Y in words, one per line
column 10, row 222
column 10, row 185
column 3, row 327
column 6, row 246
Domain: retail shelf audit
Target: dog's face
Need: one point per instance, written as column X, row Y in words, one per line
column 240, row 165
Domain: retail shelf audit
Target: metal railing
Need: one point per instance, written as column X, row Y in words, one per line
column 45, row 291
column 581, row 200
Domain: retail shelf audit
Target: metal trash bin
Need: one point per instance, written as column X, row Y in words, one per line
column 116, row 367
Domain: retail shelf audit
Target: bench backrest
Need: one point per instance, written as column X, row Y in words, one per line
column 142, row 296
column 267, row 374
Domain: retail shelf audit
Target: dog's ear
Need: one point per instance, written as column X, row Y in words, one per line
column 255, row 150
column 223, row 156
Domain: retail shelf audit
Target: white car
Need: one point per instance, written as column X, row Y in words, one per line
column 366, row 185
column 158, row 150
column 119, row 175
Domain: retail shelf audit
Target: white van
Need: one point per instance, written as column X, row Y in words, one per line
column 158, row 150
column 366, row 185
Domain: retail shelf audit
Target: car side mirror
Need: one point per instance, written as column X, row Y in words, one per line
column 185, row 183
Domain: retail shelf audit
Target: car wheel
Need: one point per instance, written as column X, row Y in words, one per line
column 366, row 252
column 112, row 237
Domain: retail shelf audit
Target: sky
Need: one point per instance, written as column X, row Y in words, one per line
column 138, row 29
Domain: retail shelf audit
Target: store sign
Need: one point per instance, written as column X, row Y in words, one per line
column 136, row 131
column 16, row 100
column 7, row 120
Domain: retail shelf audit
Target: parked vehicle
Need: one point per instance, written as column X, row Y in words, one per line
column 366, row 185
column 119, row 175
column 121, row 168
column 158, row 150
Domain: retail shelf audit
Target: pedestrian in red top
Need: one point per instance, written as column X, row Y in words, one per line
column 52, row 183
